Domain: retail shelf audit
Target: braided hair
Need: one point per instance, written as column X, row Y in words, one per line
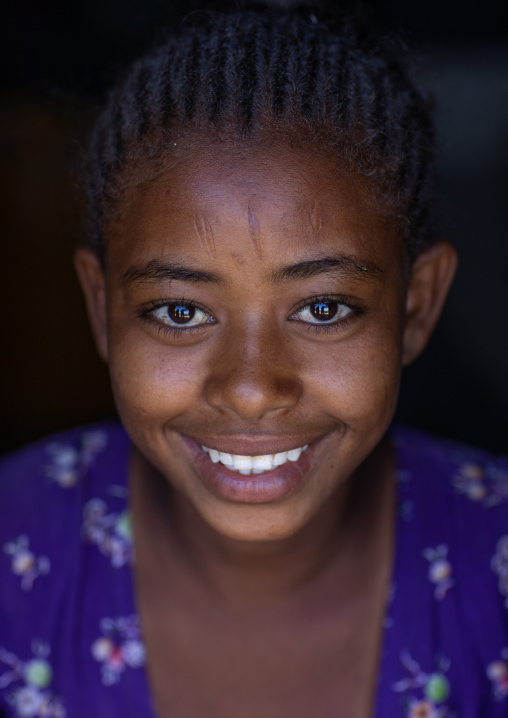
column 243, row 73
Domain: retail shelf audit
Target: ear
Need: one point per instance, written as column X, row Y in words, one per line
column 93, row 284
column 431, row 276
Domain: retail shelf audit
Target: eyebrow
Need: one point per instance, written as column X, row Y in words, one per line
column 156, row 271
column 344, row 264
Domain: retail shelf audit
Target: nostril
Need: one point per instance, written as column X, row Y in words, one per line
column 253, row 374
column 253, row 399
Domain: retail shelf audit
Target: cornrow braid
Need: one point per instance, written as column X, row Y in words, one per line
column 253, row 70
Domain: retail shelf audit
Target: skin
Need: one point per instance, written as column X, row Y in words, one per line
column 246, row 580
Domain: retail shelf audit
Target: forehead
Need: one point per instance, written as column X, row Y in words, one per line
column 269, row 198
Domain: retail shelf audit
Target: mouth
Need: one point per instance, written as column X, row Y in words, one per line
column 252, row 477
column 248, row 465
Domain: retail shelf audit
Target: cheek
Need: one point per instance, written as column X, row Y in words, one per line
column 152, row 382
column 358, row 381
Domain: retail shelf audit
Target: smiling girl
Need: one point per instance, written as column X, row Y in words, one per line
column 261, row 264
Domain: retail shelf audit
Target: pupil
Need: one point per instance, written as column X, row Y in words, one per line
column 180, row 313
column 324, row 310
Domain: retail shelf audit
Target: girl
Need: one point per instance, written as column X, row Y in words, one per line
column 261, row 263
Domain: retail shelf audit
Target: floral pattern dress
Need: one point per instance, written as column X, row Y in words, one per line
column 70, row 638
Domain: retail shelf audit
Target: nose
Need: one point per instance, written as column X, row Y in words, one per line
column 253, row 375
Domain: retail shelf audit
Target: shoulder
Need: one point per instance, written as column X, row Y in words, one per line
column 44, row 490
column 63, row 533
column 44, row 486
column 454, row 491
column 61, row 461
column 442, row 452
column 449, row 475
column 63, row 457
column 457, row 496
column 453, row 504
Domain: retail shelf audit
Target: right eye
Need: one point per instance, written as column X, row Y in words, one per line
column 180, row 314
column 324, row 311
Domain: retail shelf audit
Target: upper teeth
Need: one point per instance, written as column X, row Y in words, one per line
column 253, row 464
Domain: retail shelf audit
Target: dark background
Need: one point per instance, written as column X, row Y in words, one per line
column 58, row 58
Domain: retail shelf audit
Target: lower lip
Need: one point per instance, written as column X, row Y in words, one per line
column 273, row 486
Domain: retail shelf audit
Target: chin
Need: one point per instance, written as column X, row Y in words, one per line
column 260, row 524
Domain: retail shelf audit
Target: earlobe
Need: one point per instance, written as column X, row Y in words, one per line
column 92, row 280
column 431, row 277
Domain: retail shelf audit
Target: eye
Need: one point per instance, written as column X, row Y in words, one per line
column 180, row 314
column 323, row 311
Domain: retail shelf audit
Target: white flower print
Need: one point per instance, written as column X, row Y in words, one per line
column 133, row 653
column 497, row 672
column 440, row 570
column 485, row 484
column 24, row 563
column 111, row 533
column 119, row 646
column 429, row 691
column 499, row 565
column 30, row 694
column 28, row 701
column 68, row 463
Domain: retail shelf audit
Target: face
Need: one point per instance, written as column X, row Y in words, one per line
column 254, row 304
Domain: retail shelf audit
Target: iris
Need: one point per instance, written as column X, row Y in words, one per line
column 324, row 310
column 181, row 313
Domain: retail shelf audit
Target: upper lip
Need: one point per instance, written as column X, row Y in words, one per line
column 243, row 446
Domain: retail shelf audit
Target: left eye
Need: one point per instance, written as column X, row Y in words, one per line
column 323, row 312
column 179, row 315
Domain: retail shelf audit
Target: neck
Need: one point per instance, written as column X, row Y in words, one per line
column 346, row 528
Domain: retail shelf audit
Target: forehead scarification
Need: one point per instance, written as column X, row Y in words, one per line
column 254, row 231
column 301, row 198
column 205, row 233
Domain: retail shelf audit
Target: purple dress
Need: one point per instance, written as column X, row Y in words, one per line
column 70, row 640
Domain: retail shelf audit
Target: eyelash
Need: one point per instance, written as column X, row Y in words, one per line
column 177, row 332
column 356, row 311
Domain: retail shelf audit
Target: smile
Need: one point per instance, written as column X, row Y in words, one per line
column 253, row 478
column 248, row 465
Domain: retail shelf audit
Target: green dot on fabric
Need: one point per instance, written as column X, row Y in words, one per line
column 437, row 688
column 38, row 673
